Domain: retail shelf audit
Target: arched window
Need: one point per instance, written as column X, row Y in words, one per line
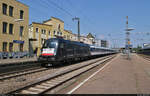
column 59, row 27
column 54, row 32
column 49, row 32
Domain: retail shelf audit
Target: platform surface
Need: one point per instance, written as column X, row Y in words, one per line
column 120, row 76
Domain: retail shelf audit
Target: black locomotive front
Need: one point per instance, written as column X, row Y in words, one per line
column 57, row 50
column 48, row 52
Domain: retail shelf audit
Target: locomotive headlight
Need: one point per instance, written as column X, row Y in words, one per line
column 53, row 58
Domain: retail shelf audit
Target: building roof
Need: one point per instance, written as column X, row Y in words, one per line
column 22, row 3
column 54, row 18
column 90, row 35
column 41, row 23
column 68, row 31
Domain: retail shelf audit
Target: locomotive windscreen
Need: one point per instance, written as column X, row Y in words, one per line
column 50, row 44
column 49, row 48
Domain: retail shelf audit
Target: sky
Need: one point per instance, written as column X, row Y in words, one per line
column 105, row 19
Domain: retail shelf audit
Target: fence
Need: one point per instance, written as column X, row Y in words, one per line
column 9, row 55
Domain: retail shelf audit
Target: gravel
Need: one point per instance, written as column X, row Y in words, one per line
column 18, row 82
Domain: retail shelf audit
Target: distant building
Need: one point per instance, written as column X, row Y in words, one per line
column 91, row 37
column 97, row 42
column 146, row 45
column 104, row 43
column 101, row 43
column 57, row 26
column 85, row 40
column 68, row 35
column 38, row 33
column 51, row 28
column 14, row 20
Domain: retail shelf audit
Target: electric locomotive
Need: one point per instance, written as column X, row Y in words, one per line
column 57, row 50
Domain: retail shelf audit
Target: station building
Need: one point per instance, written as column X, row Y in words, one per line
column 14, row 20
column 51, row 28
column 39, row 32
column 68, row 35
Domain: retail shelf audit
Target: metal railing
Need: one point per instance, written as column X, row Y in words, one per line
column 11, row 55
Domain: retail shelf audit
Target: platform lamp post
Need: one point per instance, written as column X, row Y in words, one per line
column 128, row 43
column 76, row 18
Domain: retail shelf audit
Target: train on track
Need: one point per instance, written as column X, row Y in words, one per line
column 145, row 51
column 57, row 50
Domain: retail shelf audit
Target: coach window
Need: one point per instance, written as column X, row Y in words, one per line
column 62, row 45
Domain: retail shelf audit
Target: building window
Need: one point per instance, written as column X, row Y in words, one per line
column 60, row 33
column 11, row 28
column 4, row 46
column 21, row 14
column 4, row 27
column 21, row 31
column 10, row 47
column 42, row 40
column 44, row 31
column 65, row 36
column 54, row 32
column 49, row 32
column 4, row 8
column 37, row 30
column 21, row 47
column 11, row 10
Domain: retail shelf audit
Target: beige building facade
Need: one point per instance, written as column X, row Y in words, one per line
column 57, row 26
column 52, row 28
column 14, row 20
column 68, row 35
column 38, row 33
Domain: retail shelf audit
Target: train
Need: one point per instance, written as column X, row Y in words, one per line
column 145, row 51
column 57, row 50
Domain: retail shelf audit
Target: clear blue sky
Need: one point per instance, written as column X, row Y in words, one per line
column 100, row 17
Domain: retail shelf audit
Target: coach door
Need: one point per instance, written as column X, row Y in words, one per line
column 62, row 50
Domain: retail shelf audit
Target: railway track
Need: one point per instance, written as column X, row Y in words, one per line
column 9, row 75
column 145, row 57
column 48, row 83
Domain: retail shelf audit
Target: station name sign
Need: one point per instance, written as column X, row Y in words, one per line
column 18, row 41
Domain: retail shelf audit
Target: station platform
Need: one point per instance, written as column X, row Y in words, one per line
column 119, row 76
column 17, row 60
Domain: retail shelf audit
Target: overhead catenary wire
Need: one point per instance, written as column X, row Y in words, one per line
column 59, row 7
